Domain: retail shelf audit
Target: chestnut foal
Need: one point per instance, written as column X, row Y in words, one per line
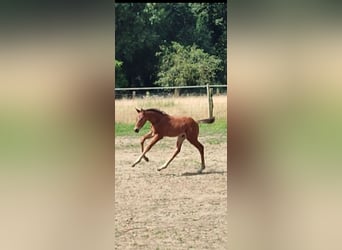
column 162, row 125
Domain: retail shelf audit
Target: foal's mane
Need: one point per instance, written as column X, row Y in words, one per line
column 157, row 111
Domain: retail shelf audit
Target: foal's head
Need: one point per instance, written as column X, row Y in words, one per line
column 141, row 120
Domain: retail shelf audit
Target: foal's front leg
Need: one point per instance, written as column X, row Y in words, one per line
column 155, row 139
column 145, row 137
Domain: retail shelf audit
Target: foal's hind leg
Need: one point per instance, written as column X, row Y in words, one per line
column 194, row 141
column 145, row 137
column 180, row 140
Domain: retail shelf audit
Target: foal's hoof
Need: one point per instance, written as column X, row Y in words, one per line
column 146, row 159
column 161, row 168
column 200, row 171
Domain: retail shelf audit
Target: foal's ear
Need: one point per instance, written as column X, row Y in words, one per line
column 138, row 110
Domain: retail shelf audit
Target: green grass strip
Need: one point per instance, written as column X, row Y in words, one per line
column 218, row 127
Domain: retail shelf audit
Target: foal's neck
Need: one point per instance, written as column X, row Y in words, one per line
column 154, row 117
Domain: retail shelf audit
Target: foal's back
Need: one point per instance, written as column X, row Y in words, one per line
column 172, row 126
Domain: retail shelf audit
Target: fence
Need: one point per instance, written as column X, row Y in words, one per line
column 175, row 91
column 131, row 93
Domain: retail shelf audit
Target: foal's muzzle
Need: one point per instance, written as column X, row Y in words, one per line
column 136, row 130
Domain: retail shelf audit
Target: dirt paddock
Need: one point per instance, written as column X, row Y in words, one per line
column 175, row 208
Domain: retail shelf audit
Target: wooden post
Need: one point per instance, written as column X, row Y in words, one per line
column 133, row 94
column 210, row 101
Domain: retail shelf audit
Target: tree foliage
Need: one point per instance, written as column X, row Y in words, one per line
column 186, row 66
column 120, row 79
column 142, row 29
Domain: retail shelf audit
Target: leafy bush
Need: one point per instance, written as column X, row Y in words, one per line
column 186, row 65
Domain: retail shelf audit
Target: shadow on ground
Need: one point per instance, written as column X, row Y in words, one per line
column 203, row 173
column 196, row 173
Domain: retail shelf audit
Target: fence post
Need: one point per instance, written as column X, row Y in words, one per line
column 210, row 101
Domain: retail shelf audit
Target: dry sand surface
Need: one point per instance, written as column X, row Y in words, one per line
column 175, row 208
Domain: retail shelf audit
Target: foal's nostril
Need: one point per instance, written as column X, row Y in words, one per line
column 136, row 130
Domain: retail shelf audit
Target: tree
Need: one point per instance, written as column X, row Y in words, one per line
column 120, row 79
column 135, row 42
column 211, row 31
column 141, row 28
column 186, row 65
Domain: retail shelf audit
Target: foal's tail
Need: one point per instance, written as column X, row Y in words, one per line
column 208, row 120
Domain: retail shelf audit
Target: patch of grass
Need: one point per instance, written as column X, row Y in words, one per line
column 218, row 127
column 124, row 129
column 215, row 141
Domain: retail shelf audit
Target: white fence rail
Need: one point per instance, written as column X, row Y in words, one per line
column 173, row 87
column 146, row 92
column 168, row 91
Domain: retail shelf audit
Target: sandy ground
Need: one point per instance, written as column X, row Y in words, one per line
column 175, row 208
